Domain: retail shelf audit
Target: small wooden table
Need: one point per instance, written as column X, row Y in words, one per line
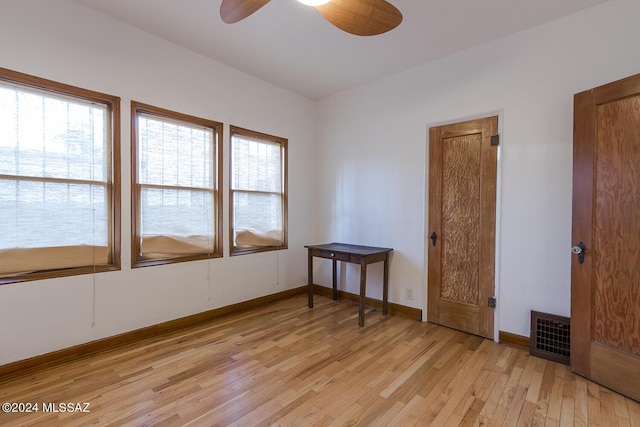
column 356, row 254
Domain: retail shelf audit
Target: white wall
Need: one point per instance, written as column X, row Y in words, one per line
column 371, row 147
column 374, row 147
column 62, row 41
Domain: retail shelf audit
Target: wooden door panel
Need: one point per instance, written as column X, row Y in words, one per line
column 605, row 289
column 617, row 228
column 462, row 186
column 615, row 369
column 461, row 316
column 460, row 220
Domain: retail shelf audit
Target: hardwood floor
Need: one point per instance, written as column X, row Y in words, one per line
column 285, row 364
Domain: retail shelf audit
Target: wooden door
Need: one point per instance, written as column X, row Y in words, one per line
column 462, row 211
column 605, row 286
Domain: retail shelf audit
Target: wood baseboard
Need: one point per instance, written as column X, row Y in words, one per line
column 410, row 312
column 514, row 340
column 86, row 349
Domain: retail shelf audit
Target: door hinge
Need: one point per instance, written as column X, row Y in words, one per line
column 495, row 140
column 491, row 302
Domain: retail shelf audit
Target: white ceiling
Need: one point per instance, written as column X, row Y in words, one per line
column 294, row 47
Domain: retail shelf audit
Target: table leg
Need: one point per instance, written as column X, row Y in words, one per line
column 310, row 276
column 335, row 280
column 363, row 291
column 385, row 285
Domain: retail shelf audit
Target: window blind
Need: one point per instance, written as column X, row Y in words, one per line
column 176, row 176
column 257, row 188
column 54, row 181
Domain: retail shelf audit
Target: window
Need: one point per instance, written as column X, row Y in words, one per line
column 258, row 192
column 59, row 179
column 176, row 199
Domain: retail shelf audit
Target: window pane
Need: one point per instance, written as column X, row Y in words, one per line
column 174, row 154
column 257, row 165
column 169, row 212
column 43, row 135
column 48, row 214
column 46, row 136
column 257, row 212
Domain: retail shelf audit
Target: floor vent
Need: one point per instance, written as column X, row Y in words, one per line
column 550, row 337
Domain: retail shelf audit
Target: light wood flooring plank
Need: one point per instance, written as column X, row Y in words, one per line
column 285, row 365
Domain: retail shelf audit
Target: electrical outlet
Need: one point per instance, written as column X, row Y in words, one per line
column 409, row 294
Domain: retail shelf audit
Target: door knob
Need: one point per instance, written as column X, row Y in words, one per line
column 579, row 250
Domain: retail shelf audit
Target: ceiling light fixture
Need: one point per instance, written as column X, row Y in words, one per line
column 314, row 2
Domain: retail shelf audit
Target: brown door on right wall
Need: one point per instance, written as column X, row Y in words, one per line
column 605, row 269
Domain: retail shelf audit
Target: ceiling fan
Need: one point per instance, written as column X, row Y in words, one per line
column 359, row 17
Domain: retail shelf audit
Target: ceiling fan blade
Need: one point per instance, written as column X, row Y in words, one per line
column 362, row 17
column 232, row 11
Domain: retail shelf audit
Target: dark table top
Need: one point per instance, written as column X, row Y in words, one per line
column 348, row 248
